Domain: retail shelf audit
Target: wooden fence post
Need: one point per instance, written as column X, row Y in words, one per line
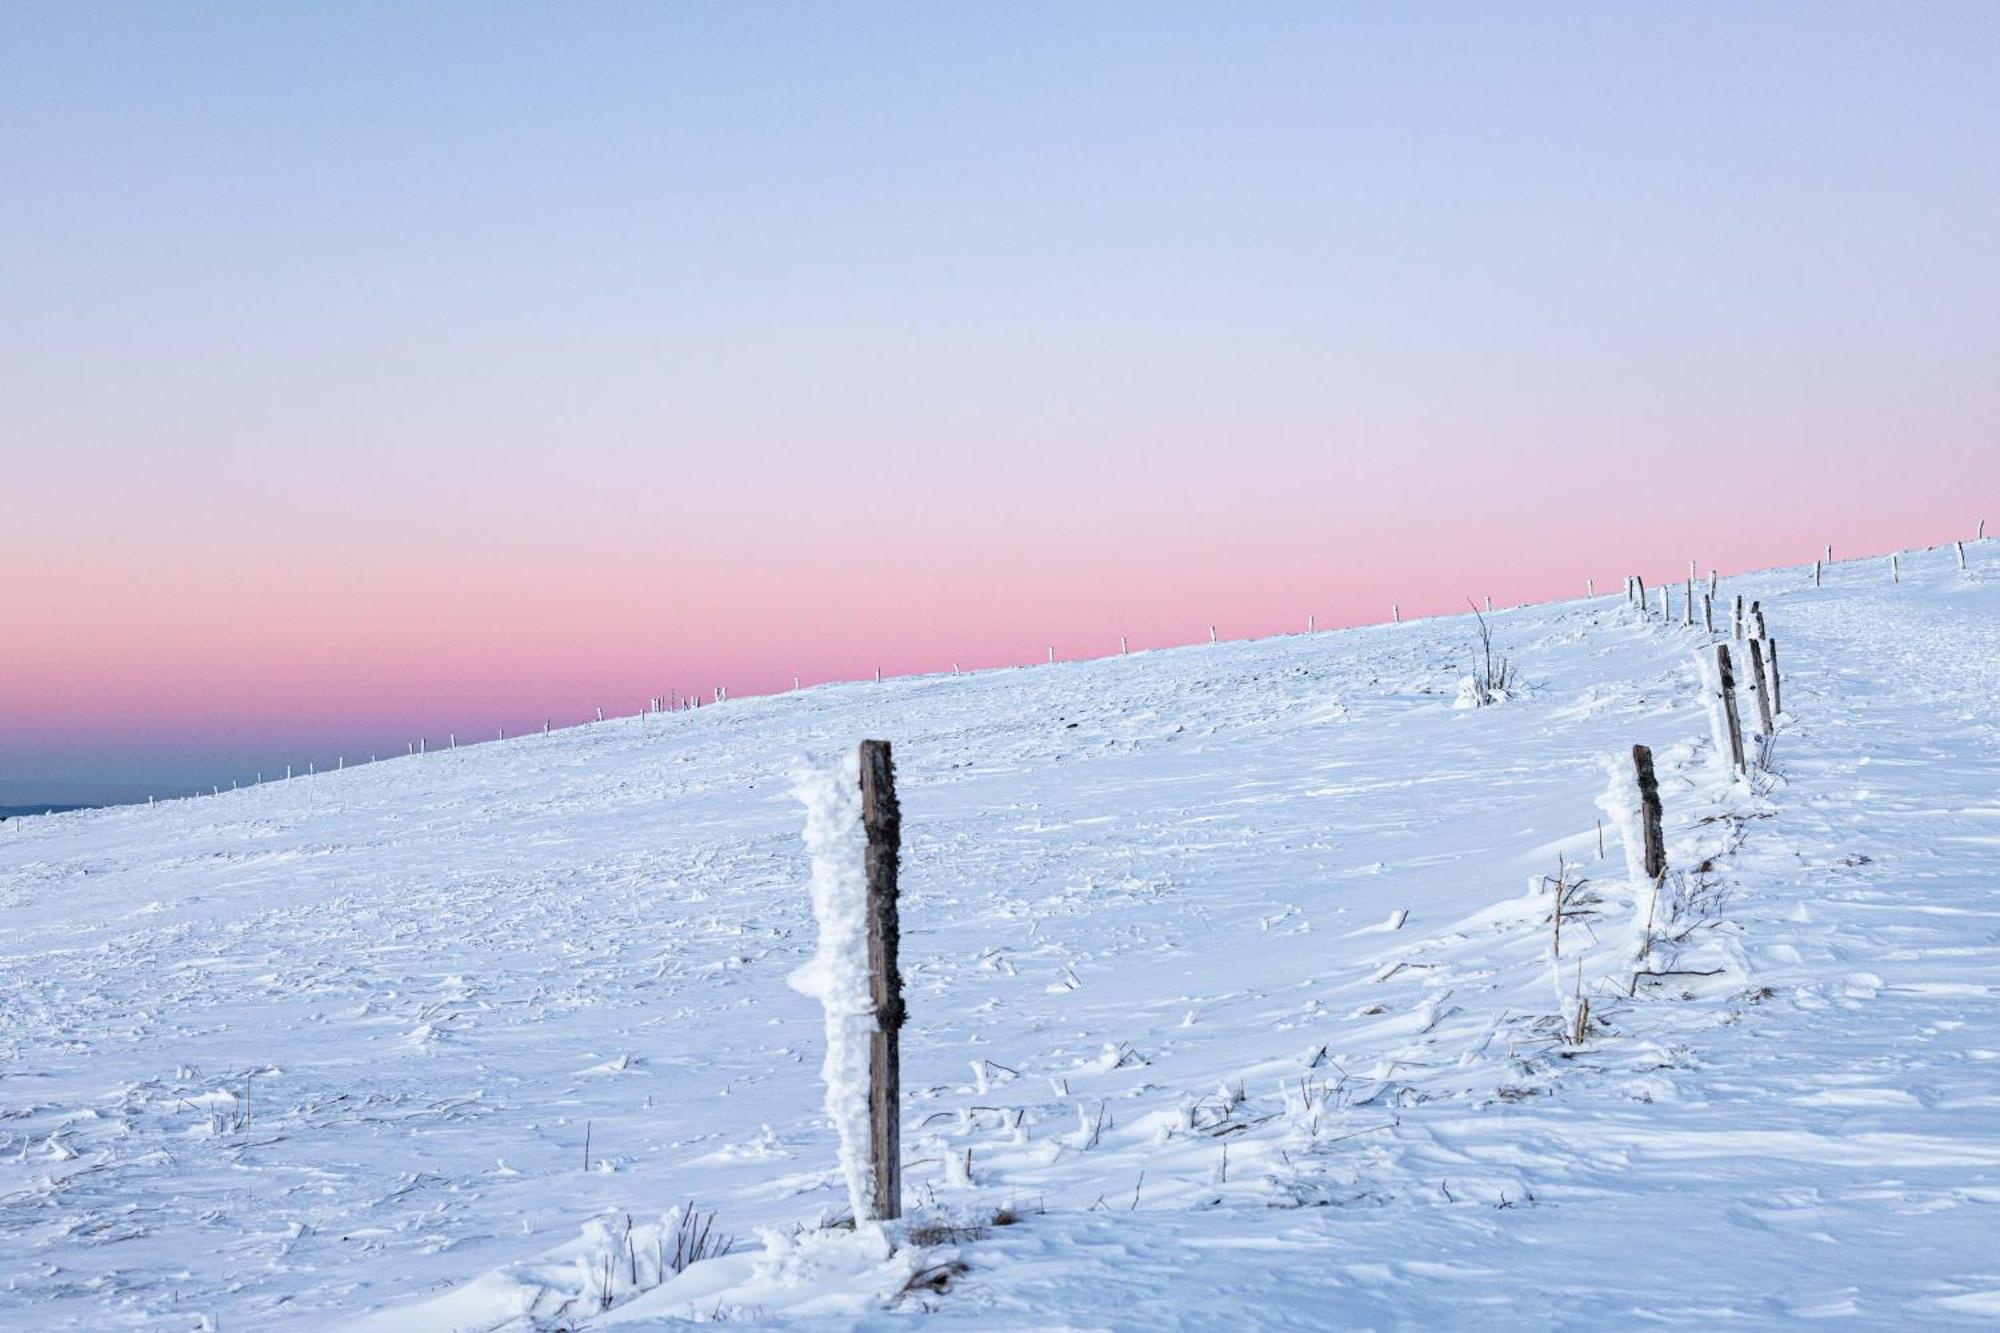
column 1649, row 803
column 1815, row 573
column 1728, row 679
column 1639, row 584
column 1666, row 605
column 1711, row 583
column 1895, row 571
column 1736, row 619
column 1771, row 665
column 1757, row 630
column 1761, row 684
column 882, row 817
column 1708, row 613
column 1960, row 548
column 1687, row 610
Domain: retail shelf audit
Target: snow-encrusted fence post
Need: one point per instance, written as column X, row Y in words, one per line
column 1708, row 613
column 1736, row 620
column 882, row 817
column 1960, row 548
column 1762, row 685
column 1895, row 570
column 1649, row 813
column 1816, row 569
column 1725, row 688
column 1771, row 665
column 854, row 834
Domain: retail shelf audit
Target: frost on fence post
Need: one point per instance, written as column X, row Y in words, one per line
column 1631, row 802
column 837, row 976
column 1718, row 693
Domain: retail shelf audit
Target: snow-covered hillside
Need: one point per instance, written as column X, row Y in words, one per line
column 1230, row 988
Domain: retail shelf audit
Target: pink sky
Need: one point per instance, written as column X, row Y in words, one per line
column 367, row 373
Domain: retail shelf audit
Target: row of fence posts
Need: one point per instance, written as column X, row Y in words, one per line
column 1635, row 592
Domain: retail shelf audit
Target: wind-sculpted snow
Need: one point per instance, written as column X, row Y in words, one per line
column 1224, row 992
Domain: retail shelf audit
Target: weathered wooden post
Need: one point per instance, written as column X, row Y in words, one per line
column 1590, row 587
column 1762, row 685
column 1211, row 634
column 1757, row 630
column 1395, row 613
column 1649, row 809
column 1687, row 609
column 1639, row 592
column 1708, row 613
column 1736, row 619
column 1960, row 548
column 1123, row 648
column 1711, row 583
column 1727, row 678
column 882, row 818
column 1895, row 571
column 1771, row 666
column 1816, row 568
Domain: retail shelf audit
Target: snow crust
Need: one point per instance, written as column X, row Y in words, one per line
column 837, row 976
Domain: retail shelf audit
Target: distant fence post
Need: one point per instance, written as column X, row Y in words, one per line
column 1816, row 569
column 1895, row 570
column 1727, row 677
column 1960, row 548
column 882, row 818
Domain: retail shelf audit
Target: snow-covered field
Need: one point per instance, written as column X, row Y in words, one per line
column 1229, row 981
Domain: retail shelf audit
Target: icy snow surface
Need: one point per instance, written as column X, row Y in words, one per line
column 1221, row 977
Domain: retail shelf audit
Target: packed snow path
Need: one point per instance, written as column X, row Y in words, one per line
column 337, row 1047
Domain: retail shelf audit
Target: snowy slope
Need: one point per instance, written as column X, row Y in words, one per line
column 333, row 1050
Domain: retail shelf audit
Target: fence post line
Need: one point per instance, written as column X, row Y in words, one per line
column 882, row 818
column 1728, row 679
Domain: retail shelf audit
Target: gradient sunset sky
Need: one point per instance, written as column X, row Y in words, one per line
column 369, row 371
